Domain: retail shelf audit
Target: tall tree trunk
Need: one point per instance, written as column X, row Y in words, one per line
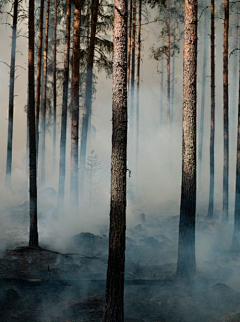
column 173, row 89
column 236, row 233
column 55, row 85
column 39, row 74
column 162, row 92
column 86, row 117
column 129, row 45
column 168, row 62
column 225, row 114
column 62, row 166
column 131, row 116
column 235, row 63
column 11, row 96
column 44, row 101
column 33, row 234
column 75, row 106
column 186, row 265
column 212, row 129
column 114, row 304
column 138, row 80
column 204, row 78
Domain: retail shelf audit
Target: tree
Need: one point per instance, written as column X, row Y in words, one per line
column 132, row 92
column 236, row 233
column 212, row 128
column 114, row 303
column 11, row 95
column 129, row 44
column 225, row 114
column 86, row 117
column 75, row 106
column 44, row 99
column 33, row 235
column 39, row 73
column 62, row 166
column 186, row 265
column 55, row 83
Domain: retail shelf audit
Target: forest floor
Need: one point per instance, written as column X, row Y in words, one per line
column 43, row 285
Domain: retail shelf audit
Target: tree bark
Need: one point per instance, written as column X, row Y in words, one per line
column 236, row 233
column 62, row 166
column 129, row 45
column 39, row 73
column 132, row 92
column 225, row 114
column 86, row 117
column 114, row 304
column 186, row 265
column 162, row 92
column 44, row 101
column 138, row 81
column 55, row 85
column 204, row 78
column 168, row 63
column 75, row 106
column 11, row 96
column 235, row 63
column 212, row 128
column 33, row 234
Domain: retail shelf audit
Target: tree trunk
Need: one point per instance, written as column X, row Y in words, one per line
column 114, row 303
column 86, row 117
column 129, row 45
column 235, row 63
column 39, row 74
column 44, row 101
column 173, row 89
column 75, row 106
column 33, row 234
column 186, row 265
column 132, row 92
column 138, row 81
column 212, row 129
column 168, row 62
column 236, row 233
column 55, row 85
column 225, row 114
column 204, row 78
column 62, row 166
column 162, row 92
column 11, row 96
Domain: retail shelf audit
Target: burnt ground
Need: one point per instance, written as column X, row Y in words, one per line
column 47, row 285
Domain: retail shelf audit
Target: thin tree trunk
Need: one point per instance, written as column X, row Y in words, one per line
column 44, row 101
column 225, row 113
column 186, row 265
column 212, row 129
column 55, row 85
column 86, row 117
column 162, row 92
column 235, row 63
column 236, row 233
column 129, row 45
column 114, row 303
column 62, row 167
column 75, row 107
column 131, row 116
column 173, row 89
column 39, row 74
column 11, row 96
column 204, row 78
column 168, row 62
column 33, row 233
column 138, row 81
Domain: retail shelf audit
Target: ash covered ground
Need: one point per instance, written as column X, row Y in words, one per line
column 65, row 282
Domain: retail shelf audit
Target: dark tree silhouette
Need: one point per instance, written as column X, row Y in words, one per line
column 55, row 83
column 33, row 234
column 114, row 304
column 186, row 265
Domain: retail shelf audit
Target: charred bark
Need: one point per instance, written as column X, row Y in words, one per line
column 225, row 114
column 186, row 265
column 11, row 96
column 62, row 166
column 86, row 117
column 33, row 233
column 75, row 106
column 114, row 304
column 212, row 128
column 39, row 73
